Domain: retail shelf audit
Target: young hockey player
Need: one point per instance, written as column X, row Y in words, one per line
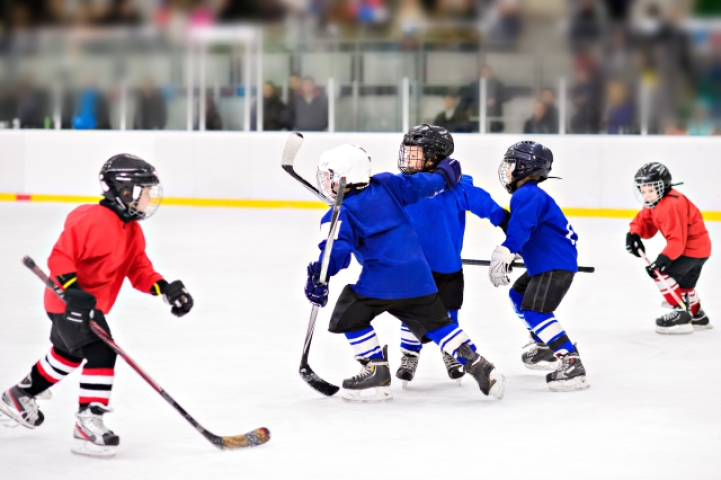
column 540, row 233
column 440, row 223
column 395, row 278
column 688, row 246
column 99, row 247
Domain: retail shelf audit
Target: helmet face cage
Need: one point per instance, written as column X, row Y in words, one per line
column 140, row 198
column 412, row 158
column 505, row 173
column 146, row 200
column 328, row 182
column 648, row 193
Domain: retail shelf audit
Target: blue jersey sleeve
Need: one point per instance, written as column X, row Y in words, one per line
column 480, row 203
column 343, row 246
column 526, row 209
column 408, row 189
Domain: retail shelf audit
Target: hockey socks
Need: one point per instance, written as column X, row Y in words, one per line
column 48, row 371
column 545, row 327
column 410, row 343
column 668, row 293
column 450, row 337
column 693, row 302
column 516, row 301
column 365, row 343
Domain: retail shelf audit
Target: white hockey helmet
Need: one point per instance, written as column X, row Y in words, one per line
column 349, row 161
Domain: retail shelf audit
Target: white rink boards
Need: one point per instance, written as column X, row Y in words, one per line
column 651, row 412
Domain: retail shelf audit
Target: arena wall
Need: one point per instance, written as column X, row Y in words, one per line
column 243, row 169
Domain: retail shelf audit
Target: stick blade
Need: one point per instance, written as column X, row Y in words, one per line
column 292, row 145
column 257, row 437
column 317, row 383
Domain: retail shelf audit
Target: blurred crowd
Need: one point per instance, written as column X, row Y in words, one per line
column 634, row 66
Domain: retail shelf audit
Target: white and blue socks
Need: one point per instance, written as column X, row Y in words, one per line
column 450, row 337
column 365, row 343
column 543, row 327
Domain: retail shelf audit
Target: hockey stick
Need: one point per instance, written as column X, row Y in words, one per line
column 487, row 263
column 258, row 436
column 681, row 303
column 292, row 145
column 306, row 373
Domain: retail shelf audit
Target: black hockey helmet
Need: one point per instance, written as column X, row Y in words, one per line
column 524, row 159
column 656, row 175
column 436, row 142
column 131, row 185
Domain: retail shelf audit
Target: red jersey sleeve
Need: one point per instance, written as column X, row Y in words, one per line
column 142, row 275
column 79, row 241
column 673, row 220
column 643, row 224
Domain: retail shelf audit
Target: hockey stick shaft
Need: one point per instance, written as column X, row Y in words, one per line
column 292, row 145
column 487, row 263
column 661, row 279
column 257, row 437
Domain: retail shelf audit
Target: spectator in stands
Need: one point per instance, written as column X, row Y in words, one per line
column 700, row 122
column 212, row 117
column 91, row 108
column 495, row 98
column 538, row 122
column 151, row 110
column 548, row 97
column 585, row 25
column 586, row 96
column 310, row 108
column 32, row 104
column 294, row 83
column 120, row 13
column 451, row 118
column 620, row 110
column 8, row 110
column 274, row 110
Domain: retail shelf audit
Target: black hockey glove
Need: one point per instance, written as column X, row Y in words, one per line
column 316, row 292
column 451, row 171
column 661, row 263
column 177, row 296
column 633, row 243
column 504, row 224
column 79, row 306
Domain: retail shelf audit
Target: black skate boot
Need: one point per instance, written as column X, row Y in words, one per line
column 21, row 408
column 372, row 384
column 453, row 367
column 570, row 374
column 539, row 357
column 409, row 364
column 676, row 322
column 483, row 371
column 700, row 321
column 91, row 436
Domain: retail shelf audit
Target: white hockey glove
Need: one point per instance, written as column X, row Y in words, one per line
column 501, row 260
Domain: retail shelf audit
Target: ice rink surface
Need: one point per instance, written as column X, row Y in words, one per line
column 652, row 410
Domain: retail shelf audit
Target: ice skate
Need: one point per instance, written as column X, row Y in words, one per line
column 453, row 367
column 676, row 322
column 20, row 408
column 569, row 376
column 409, row 363
column 539, row 357
column 372, row 384
column 490, row 382
column 27, row 382
column 700, row 321
column 90, row 436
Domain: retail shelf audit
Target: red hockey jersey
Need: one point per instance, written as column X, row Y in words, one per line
column 102, row 250
column 680, row 223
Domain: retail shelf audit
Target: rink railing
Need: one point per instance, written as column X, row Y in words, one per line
column 236, row 169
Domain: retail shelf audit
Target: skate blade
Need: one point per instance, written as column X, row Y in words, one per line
column 459, row 380
column 675, row 330
column 546, row 367
column 499, row 388
column 571, row 385
column 13, row 417
column 89, row 449
column 708, row 326
column 44, row 395
column 8, row 422
column 404, row 384
column 369, row 395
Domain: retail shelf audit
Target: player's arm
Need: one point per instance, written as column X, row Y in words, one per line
column 480, row 203
column 344, row 245
column 144, row 278
column 526, row 211
column 409, row 189
column 642, row 226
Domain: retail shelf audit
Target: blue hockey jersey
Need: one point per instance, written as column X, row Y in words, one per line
column 375, row 228
column 540, row 232
column 440, row 222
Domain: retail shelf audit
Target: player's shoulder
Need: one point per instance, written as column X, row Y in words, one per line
column 528, row 192
column 386, row 177
column 88, row 212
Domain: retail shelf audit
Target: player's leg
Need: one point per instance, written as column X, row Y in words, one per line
column 352, row 316
column 427, row 316
column 678, row 321
column 542, row 297
column 450, row 291
column 536, row 355
column 687, row 284
column 90, row 435
column 18, row 402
